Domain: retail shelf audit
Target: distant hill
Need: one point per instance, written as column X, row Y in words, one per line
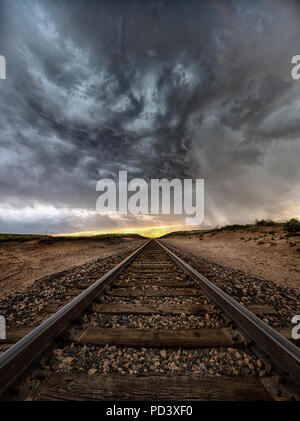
column 292, row 226
column 22, row 238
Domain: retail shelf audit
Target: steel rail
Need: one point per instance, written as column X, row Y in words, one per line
column 283, row 353
column 20, row 355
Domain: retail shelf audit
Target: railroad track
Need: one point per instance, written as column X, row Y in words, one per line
column 152, row 328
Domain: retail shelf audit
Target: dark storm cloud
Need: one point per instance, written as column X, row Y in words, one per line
column 158, row 88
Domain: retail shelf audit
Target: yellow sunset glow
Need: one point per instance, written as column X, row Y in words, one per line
column 151, row 232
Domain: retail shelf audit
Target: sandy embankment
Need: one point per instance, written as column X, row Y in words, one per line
column 265, row 252
column 22, row 263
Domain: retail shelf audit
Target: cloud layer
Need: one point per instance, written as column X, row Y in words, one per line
column 196, row 90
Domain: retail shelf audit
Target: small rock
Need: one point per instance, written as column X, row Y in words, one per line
column 163, row 353
column 67, row 360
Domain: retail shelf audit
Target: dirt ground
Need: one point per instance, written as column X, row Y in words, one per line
column 265, row 252
column 22, row 263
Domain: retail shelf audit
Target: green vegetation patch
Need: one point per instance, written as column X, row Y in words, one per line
column 292, row 226
column 20, row 238
column 266, row 223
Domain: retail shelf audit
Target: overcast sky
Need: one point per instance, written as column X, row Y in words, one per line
column 187, row 89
